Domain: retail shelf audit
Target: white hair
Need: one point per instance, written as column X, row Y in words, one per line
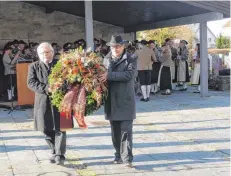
column 41, row 45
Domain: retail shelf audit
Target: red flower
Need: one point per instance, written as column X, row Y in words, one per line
column 97, row 66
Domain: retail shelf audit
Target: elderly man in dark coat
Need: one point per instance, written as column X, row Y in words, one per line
column 46, row 116
column 120, row 103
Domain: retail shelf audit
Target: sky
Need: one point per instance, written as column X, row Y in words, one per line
column 216, row 26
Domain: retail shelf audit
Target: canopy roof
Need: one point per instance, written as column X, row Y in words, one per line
column 132, row 14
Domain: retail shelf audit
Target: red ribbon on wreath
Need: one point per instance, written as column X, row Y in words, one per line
column 74, row 101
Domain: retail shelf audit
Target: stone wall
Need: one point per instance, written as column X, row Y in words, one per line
column 24, row 21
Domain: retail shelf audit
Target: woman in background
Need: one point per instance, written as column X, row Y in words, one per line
column 155, row 68
column 196, row 71
column 165, row 78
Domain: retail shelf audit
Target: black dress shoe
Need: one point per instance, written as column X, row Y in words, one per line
column 52, row 159
column 142, row 99
column 147, row 100
column 59, row 160
column 152, row 93
column 117, row 161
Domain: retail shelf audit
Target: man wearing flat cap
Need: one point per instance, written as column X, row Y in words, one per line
column 182, row 71
column 120, row 103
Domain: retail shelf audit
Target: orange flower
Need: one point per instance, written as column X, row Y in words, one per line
column 65, row 62
column 79, row 63
column 75, row 71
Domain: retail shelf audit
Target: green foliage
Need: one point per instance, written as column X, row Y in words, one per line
column 90, row 106
column 56, row 72
column 223, row 42
column 56, row 98
column 158, row 34
column 177, row 32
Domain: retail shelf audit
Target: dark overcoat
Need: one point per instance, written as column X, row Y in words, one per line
column 120, row 103
column 46, row 116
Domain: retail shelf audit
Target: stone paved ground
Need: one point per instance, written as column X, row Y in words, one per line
column 178, row 135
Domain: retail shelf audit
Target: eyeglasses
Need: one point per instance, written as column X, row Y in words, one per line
column 44, row 52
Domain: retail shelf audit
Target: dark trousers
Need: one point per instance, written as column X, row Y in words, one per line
column 121, row 132
column 56, row 141
column 145, row 77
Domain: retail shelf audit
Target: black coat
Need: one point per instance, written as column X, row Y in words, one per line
column 46, row 117
column 120, row 103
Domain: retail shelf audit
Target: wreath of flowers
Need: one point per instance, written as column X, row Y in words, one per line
column 74, row 85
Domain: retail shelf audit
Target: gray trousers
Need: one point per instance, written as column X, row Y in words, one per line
column 56, row 141
column 121, row 133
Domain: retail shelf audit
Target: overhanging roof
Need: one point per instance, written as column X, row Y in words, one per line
column 128, row 14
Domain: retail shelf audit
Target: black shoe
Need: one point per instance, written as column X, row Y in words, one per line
column 147, row 100
column 165, row 93
column 152, row 93
column 184, row 89
column 142, row 99
column 197, row 91
column 59, row 160
column 117, row 161
column 52, row 159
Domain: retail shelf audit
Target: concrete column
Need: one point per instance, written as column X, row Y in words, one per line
column 89, row 24
column 135, row 35
column 203, row 59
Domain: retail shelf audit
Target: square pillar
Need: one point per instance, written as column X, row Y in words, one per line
column 135, row 37
column 203, row 59
column 89, row 24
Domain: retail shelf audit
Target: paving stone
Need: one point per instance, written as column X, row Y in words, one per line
column 47, row 167
column 59, row 173
column 25, row 169
column 178, row 135
column 7, row 174
column 5, row 167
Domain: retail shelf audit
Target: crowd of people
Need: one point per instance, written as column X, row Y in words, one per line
column 164, row 68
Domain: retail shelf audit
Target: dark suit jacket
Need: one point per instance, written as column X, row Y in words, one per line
column 46, row 116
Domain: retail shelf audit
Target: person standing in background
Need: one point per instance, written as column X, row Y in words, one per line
column 146, row 57
column 155, row 68
column 10, row 71
column 165, row 78
column 196, row 71
column 170, row 42
column 183, row 70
